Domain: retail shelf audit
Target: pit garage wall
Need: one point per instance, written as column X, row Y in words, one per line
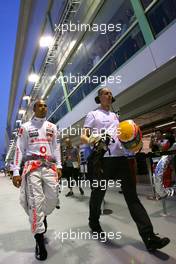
column 146, row 62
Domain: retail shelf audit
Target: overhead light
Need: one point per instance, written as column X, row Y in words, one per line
column 46, row 41
column 21, row 112
column 174, row 105
column 80, row 46
column 26, row 97
column 173, row 127
column 72, row 44
column 172, row 57
column 166, row 124
column 53, row 77
column 18, row 122
column 33, row 77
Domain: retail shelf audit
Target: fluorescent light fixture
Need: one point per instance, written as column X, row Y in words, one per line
column 173, row 127
column 46, row 41
column 53, row 77
column 172, row 57
column 18, row 122
column 33, row 77
column 26, row 97
column 166, row 124
column 21, row 111
column 80, row 46
column 72, row 44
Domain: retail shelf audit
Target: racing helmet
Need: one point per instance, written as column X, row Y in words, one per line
column 130, row 136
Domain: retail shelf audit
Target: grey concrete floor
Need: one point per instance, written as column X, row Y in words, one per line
column 17, row 243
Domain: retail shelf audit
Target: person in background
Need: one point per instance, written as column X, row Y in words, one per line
column 158, row 142
column 163, row 171
column 72, row 163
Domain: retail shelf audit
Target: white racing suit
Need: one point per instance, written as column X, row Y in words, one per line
column 161, row 168
column 38, row 146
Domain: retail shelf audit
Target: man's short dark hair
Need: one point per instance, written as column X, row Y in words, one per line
column 35, row 103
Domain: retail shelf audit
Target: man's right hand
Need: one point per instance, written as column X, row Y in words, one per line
column 93, row 139
column 17, row 181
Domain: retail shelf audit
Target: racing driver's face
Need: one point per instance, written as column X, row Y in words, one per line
column 40, row 109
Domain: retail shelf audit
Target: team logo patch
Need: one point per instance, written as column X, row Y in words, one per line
column 33, row 133
column 43, row 149
column 49, row 132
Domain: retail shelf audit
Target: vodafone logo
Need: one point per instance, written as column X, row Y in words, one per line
column 43, row 149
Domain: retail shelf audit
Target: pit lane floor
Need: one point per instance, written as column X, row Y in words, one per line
column 74, row 246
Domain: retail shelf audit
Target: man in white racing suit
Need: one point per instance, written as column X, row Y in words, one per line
column 38, row 147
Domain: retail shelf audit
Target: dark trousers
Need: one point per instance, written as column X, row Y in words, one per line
column 72, row 174
column 118, row 168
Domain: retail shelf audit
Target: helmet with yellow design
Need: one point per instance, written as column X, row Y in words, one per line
column 130, row 136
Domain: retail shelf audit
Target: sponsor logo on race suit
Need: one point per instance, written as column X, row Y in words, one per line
column 33, row 133
column 49, row 133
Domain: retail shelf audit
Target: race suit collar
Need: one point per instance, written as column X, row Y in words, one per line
column 37, row 119
column 104, row 110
